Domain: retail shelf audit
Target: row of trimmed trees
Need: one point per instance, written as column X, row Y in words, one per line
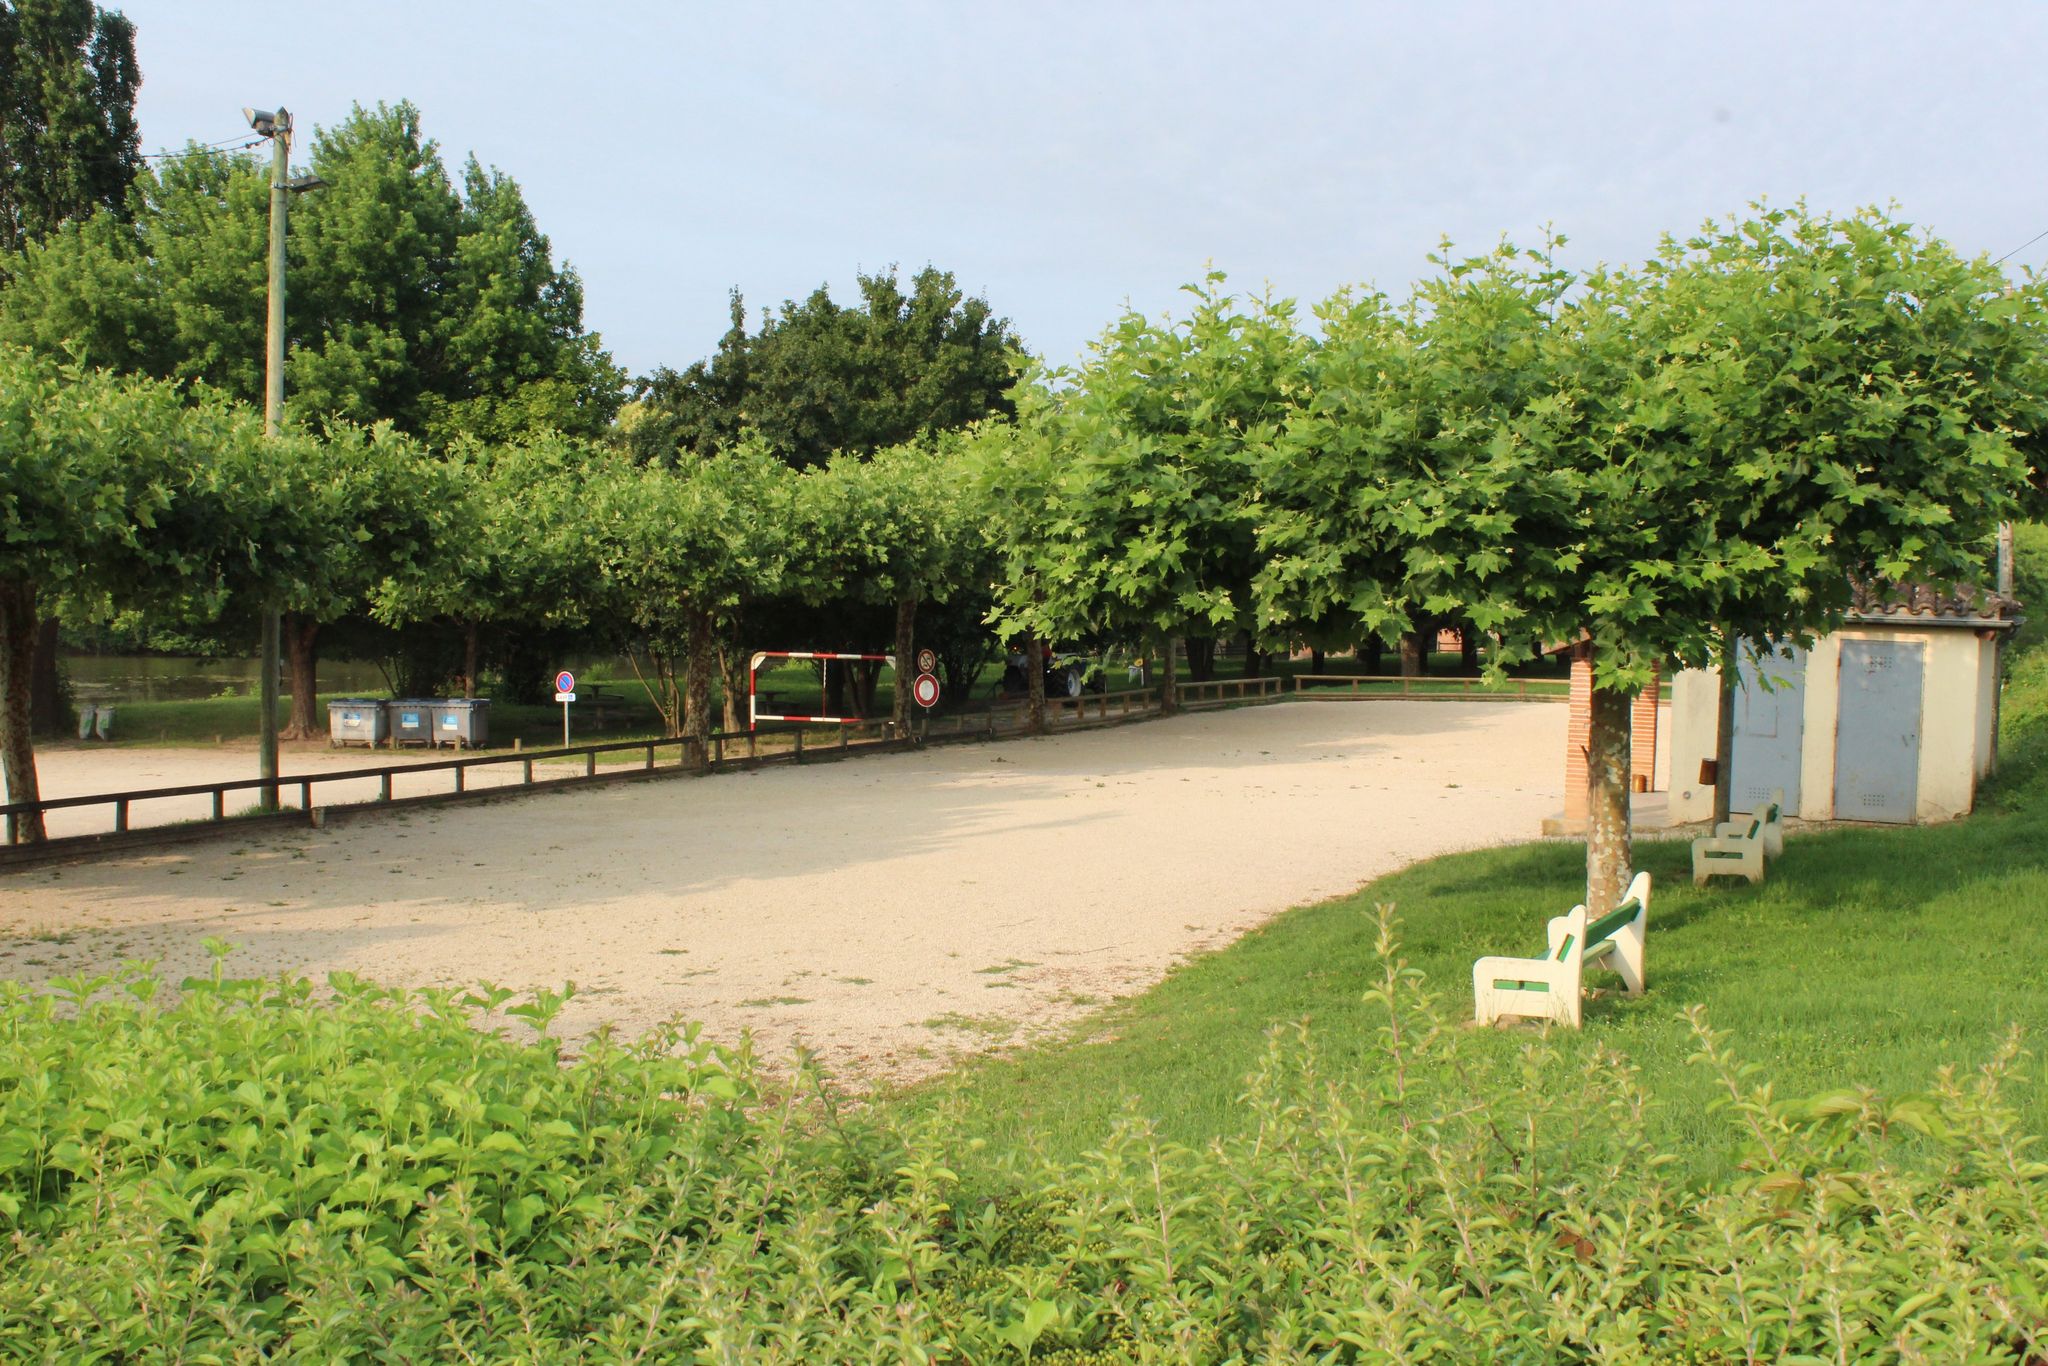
column 125, row 495
column 1657, row 462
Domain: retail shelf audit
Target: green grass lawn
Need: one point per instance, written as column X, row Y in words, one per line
column 1869, row 957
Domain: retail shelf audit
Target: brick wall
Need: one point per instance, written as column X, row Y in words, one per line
column 1642, row 736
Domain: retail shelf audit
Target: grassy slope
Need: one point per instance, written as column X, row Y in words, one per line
column 1870, row 956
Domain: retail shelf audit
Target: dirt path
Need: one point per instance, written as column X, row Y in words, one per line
column 892, row 912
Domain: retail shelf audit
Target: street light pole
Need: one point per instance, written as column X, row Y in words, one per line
column 278, row 128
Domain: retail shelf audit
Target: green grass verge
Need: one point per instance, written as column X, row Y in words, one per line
column 1869, row 956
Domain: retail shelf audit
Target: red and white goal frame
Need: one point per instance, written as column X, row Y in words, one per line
column 754, row 713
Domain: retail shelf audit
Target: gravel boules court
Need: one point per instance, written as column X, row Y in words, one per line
column 893, row 913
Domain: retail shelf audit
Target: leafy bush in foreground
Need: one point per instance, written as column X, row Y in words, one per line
column 254, row 1172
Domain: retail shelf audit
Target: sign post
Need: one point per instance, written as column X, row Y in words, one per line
column 565, row 693
column 924, row 690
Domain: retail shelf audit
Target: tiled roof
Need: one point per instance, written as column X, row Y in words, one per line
column 1932, row 605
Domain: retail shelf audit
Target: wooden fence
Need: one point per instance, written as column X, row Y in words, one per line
column 600, row 763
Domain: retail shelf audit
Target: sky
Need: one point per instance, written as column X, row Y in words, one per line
column 1067, row 161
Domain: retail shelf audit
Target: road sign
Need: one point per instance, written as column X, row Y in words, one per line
column 927, row 662
column 925, row 691
column 565, row 682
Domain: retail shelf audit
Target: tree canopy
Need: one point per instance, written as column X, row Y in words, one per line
column 69, row 144
column 411, row 301
column 820, row 378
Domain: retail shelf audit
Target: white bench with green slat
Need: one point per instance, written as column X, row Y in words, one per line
column 1739, row 848
column 1553, row 987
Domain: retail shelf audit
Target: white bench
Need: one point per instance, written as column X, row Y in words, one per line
column 1553, row 987
column 1739, row 848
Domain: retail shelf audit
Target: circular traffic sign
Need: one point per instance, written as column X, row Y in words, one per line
column 925, row 691
column 565, row 681
column 927, row 662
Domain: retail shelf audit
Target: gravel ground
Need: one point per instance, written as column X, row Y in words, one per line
column 893, row 912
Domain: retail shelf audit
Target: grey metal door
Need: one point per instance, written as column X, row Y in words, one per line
column 1769, row 725
column 1877, row 733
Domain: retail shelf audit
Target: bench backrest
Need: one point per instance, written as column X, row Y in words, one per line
column 1601, row 930
column 1606, row 925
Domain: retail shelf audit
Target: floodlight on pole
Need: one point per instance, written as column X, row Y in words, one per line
column 277, row 126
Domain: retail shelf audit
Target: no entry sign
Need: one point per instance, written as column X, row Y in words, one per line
column 925, row 691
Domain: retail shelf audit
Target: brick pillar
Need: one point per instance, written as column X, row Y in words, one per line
column 1578, row 730
column 1642, row 739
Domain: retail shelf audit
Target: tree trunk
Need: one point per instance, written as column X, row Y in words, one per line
column 1169, row 677
column 301, row 647
column 1315, row 661
column 1414, row 654
column 906, row 660
column 703, row 649
column 1468, row 648
column 47, row 713
column 471, row 648
column 1254, row 662
column 1724, row 729
column 1034, row 686
column 17, row 667
column 1372, row 654
column 732, row 678
column 1201, row 658
column 1610, row 853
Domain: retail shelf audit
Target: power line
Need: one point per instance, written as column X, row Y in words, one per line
column 2021, row 247
column 234, row 144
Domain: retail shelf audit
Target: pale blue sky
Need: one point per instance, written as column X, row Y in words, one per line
column 1066, row 158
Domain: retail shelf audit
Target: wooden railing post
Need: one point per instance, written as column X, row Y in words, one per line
column 120, row 816
column 220, row 804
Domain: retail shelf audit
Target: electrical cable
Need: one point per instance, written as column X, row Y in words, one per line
column 2021, row 247
column 234, row 144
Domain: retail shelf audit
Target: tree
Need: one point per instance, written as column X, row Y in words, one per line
column 503, row 555
column 69, row 144
column 1129, row 486
column 69, row 147
column 369, row 506
column 127, row 496
column 437, row 310
column 672, row 553
column 1557, row 464
column 819, row 378
column 900, row 529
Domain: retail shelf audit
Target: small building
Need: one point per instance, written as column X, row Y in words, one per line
column 1893, row 717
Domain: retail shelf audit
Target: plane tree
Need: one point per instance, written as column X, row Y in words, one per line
column 1126, row 491
column 122, row 494
column 670, row 555
column 1585, row 490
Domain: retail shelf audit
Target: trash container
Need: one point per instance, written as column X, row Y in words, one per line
column 462, row 722
column 410, row 721
column 356, row 721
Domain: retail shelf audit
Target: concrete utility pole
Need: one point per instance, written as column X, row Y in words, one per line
column 278, row 128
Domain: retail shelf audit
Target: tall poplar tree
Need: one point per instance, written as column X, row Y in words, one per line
column 68, row 139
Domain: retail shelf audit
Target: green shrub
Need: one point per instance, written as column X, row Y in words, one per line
column 257, row 1172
